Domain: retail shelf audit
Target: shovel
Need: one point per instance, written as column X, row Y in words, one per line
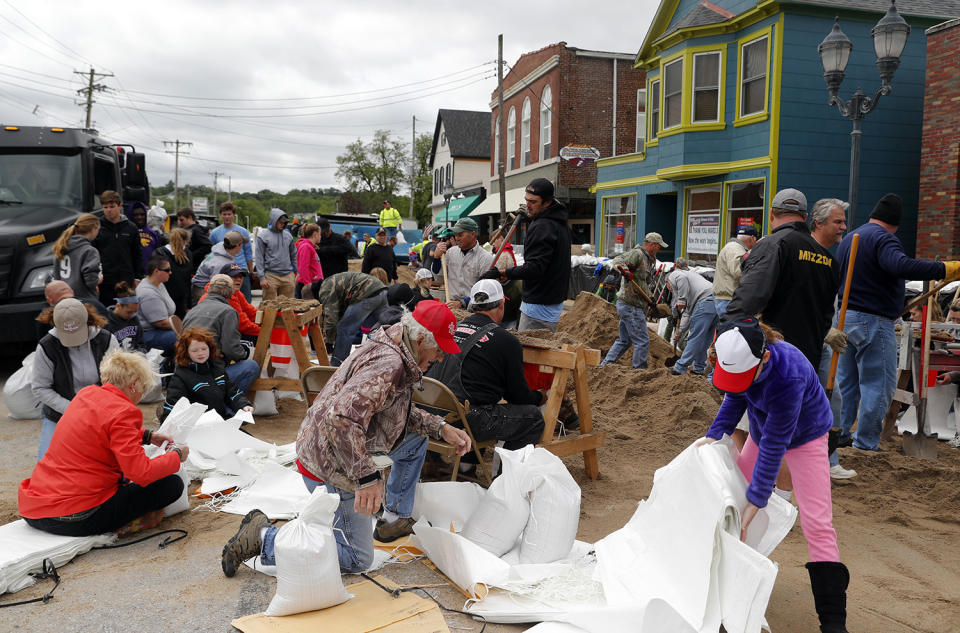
column 921, row 444
column 834, row 436
column 672, row 360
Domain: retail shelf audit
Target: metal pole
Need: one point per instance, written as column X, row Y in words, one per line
column 413, row 158
column 855, row 135
column 501, row 177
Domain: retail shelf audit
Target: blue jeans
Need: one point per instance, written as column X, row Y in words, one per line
column 243, row 374
column 246, row 289
column 721, row 306
column 703, row 322
column 633, row 331
column 354, row 531
column 350, row 323
column 391, row 231
column 867, row 376
column 47, row 427
column 160, row 339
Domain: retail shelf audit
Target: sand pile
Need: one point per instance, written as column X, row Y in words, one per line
column 283, row 303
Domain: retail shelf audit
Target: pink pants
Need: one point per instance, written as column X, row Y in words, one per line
column 810, row 470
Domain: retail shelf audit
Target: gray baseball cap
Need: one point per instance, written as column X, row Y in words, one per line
column 790, row 200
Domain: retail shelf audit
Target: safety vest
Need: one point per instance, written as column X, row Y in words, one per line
column 390, row 218
column 362, row 246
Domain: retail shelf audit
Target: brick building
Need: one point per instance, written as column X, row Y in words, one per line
column 558, row 96
column 939, row 210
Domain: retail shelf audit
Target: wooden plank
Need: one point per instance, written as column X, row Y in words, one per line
column 577, row 444
column 554, row 400
column 592, row 356
column 890, row 419
column 296, row 341
column 283, row 384
column 263, row 346
column 312, row 314
column 319, row 343
column 582, row 391
column 556, row 357
column 905, row 396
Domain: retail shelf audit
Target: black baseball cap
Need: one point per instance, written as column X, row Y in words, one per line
column 233, row 270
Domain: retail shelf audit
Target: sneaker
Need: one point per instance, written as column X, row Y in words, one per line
column 246, row 543
column 839, row 472
column 389, row 532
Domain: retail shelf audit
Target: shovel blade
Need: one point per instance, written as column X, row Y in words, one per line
column 920, row 444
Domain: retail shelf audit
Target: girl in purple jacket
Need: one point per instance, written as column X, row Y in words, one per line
column 774, row 383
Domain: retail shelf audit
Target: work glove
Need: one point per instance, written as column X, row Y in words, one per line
column 493, row 273
column 836, row 339
column 625, row 272
column 953, row 270
column 598, row 270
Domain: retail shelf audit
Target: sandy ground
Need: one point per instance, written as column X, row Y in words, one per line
column 897, row 521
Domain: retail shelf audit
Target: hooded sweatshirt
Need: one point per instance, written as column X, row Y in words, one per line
column 217, row 259
column 275, row 253
column 80, row 267
column 308, row 264
column 689, row 288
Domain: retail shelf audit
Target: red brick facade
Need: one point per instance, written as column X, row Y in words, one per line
column 938, row 222
column 582, row 106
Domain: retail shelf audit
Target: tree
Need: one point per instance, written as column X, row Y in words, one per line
column 423, row 180
column 377, row 167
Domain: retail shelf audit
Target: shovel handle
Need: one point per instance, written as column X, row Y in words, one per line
column 842, row 317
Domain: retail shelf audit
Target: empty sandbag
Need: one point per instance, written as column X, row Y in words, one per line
column 18, row 393
column 554, row 507
column 497, row 522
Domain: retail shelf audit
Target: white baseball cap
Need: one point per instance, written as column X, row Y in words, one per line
column 424, row 273
column 740, row 346
column 486, row 291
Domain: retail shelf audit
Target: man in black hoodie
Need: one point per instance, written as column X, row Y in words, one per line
column 333, row 249
column 119, row 246
column 546, row 259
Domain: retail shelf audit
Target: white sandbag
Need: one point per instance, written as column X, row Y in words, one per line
column 447, row 503
column 18, row 393
column 265, row 403
column 155, row 393
column 308, row 569
column 503, row 512
column 291, row 370
column 554, row 507
column 183, row 503
column 182, row 418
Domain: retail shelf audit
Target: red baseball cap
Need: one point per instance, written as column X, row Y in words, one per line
column 438, row 318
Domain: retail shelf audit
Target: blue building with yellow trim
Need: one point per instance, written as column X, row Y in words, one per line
column 735, row 108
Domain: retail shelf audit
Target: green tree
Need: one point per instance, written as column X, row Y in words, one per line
column 377, row 167
column 423, row 180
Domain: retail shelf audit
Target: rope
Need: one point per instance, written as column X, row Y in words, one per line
column 396, row 594
column 162, row 544
column 49, row 571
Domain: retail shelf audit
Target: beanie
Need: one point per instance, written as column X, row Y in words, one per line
column 888, row 210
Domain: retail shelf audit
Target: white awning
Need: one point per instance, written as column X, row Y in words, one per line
column 491, row 205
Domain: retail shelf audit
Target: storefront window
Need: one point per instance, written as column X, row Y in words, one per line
column 619, row 224
column 744, row 206
column 703, row 223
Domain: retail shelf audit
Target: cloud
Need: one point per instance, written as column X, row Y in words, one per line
column 234, row 78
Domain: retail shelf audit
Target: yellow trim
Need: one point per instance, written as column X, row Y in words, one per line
column 661, row 20
column 724, row 214
column 775, row 118
column 635, row 157
column 703, row 170
column 649, row 52
column 686, row 209
column 603, row 208
column 753, row 117
column 655, row 141
column 687, row 124
column 626, row 182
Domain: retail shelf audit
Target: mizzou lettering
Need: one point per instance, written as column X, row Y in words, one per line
column 816, row 258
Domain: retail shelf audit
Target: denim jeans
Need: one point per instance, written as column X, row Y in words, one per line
column 243, row 374
column 354, row 531
column 47, row 427
column 246, row 288
column 350, row 323
column 160, row 339
column 867, row 376
column 703, row 322
column 391, row 231
column 633, row 331
column 721, row 306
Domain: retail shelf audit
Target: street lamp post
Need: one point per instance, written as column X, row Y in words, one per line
column 889, row 38
column 447, row 196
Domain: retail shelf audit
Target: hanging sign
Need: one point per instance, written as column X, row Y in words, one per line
column 579, row 155
column 703, row 233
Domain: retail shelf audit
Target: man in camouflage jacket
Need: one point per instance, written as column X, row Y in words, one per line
column 347, row 298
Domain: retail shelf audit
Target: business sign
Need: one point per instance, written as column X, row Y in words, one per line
column 703, row 233
column 579, row 155
column 200, row 205
column 741, row 222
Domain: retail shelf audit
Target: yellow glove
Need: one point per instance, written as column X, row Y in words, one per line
column 953, row 270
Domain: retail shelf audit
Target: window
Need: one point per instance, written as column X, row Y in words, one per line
column 546, row 122
column 436, row 182
column 496, row 146
column 673, row 94
column 449, row 178
column 641, row 118
column 753, row 77
column 512, row 140
column 525, row 133
column 706, row 87
column 703, row 222
column 619, row 224
column 744, row 206
column 443, row 139
column 654, row 109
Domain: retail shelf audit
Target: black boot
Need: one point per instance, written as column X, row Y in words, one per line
column 829, row 583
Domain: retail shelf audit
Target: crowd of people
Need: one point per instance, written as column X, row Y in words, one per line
column 763, row 331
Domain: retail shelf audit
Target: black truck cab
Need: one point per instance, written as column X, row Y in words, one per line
column 48, row 177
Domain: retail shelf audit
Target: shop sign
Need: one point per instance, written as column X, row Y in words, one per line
column 703, row 233
column 579, row 155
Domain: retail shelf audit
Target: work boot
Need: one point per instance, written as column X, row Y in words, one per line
column 245, row 544
column 829, row 582
column 567, row 416
column 389, row 532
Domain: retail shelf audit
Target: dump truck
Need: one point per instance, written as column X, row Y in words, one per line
column 48, row 177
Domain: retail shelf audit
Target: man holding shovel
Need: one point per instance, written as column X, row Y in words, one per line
column 867, row 373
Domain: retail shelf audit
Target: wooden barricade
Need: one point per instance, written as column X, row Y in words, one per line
column 563, row 362
column 291, row 322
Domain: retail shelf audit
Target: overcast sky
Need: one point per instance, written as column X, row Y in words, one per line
column 305, row 78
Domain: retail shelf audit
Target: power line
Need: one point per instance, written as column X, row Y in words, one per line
column 39, row 28
column 91, row 88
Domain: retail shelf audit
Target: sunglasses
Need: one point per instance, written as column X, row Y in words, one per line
column 164, row 270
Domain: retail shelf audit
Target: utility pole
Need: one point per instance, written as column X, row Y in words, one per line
column 413, row 160
column 90, row 89
column 230, row 188
column 502, row 150
column 215, row 174
column 176, row 167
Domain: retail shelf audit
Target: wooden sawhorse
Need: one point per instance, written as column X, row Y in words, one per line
column 292, row 322
column 563, row 362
